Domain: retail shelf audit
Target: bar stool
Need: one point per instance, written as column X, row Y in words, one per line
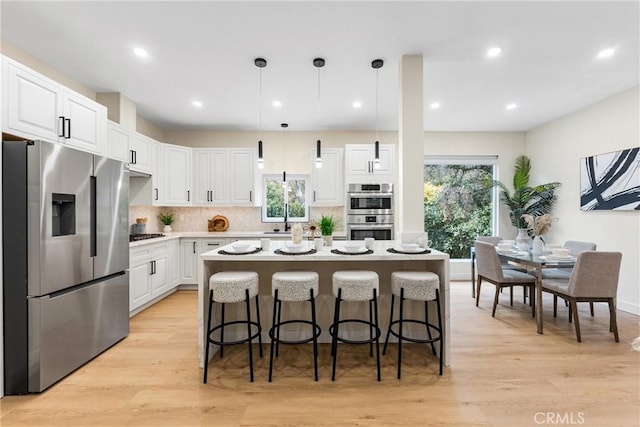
column 355, row 285
column 233, row 287
column 417, row 286
column 294, row 286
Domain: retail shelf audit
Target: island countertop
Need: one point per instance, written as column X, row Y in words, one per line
column 266, row 262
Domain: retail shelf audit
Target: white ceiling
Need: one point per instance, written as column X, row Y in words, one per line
column 205, row 51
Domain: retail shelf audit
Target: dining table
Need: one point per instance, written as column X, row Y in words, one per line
column 384, row 257
column 534, row 264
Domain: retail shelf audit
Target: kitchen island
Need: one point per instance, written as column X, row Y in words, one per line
column 266, row 262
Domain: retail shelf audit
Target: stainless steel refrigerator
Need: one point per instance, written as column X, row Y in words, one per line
column 66, row 260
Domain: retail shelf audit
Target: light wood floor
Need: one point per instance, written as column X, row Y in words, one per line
column 502, row 374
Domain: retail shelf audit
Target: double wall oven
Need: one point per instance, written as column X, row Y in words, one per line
column 370, row 211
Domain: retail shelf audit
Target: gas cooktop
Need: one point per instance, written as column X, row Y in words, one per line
column 136, row 237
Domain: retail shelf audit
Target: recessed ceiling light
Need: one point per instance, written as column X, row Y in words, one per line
column 605, row 53
column 277, row 104
column 357, row 104
column 435, row 105
column 494, row 51
column 512, row 106
column 141, row 52
column 197, row 104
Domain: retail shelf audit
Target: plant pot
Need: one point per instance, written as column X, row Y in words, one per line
column 328, row 240
column 166, row 229
column 523, row 241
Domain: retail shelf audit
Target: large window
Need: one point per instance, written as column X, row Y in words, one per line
column 458, row 206
column 279, row 196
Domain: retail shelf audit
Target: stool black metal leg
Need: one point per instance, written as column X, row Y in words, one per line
column 222, row 331
column 248, row 304
column 259, row 326
column 426, row 320
column 313, row 334
column 274, row 326
column 207, row 343
column 370, row 328
column 386, row 341
column 334, row 345
column 278, row 329
column 441, row 332
column 375, row 308
column 400, row 332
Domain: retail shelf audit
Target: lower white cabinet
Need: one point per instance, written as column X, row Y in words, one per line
column 190, row 263
column 174, row 263
column 153, row 271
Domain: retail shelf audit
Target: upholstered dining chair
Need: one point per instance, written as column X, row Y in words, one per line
column 594, row 278
column 490, row 269
column 494, row 240
column 575, row 248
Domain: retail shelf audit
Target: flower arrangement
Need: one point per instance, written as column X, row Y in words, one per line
column 166, row 218
column 538, row 225
column 328, row 224
column 313, row 229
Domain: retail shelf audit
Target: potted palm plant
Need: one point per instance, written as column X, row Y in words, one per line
column 525, row 199
column 328, row 224
column 167, row 219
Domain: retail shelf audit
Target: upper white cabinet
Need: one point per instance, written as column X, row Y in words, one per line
column 328, row 189
column 361, row 166
column 118, row 140
column 175, row 174
column 140, row 153
column 35, row 106
column 224, row 176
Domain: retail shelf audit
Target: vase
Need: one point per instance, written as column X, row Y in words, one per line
column 166, row 229
column 328, row 240
column 537, row 246
column 523, row 241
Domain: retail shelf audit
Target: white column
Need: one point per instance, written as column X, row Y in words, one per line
column 409, row 212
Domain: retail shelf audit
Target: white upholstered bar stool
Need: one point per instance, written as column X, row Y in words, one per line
column 355, row 285
column 233, row 287
column 294, row 286
column 417, row 286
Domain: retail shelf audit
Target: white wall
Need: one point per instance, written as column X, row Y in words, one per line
column 555, row 150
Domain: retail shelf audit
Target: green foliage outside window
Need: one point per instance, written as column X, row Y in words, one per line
column 457, row 206
column 296, row 199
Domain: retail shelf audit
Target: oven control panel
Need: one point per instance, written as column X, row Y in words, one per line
column 370, row 219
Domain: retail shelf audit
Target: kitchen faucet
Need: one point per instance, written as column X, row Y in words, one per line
column 287, row 227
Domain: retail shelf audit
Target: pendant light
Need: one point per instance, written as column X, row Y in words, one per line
column 376, row 64
column 260, row 63
column 318, row 63
column 284, row 127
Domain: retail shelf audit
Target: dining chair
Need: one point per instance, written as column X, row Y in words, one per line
column 494, row 240
column 490, row 269
column 575, row 248
column 594, row 278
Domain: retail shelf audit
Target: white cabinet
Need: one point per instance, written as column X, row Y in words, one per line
column 35, row 106
column 118, row 140
column 140, row 153
column 152, row 271
column 210, row 176
column 360, row 163
column 224, row 176
column 328, row 189
column 188, row 261
column 175, row 176
column 173, row 248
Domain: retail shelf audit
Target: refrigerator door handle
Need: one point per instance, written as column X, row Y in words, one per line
column 93, row 224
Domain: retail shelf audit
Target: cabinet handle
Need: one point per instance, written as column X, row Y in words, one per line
column 156, row 190
column 251, row 195
column 314, row 195
column 213, row 244
column 194, row 247
column 154, row 267
column 61, row 126
column 68, row 136
column 208, row 195
column 188, row 196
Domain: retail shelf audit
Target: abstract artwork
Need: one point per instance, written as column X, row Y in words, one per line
column 611, row 181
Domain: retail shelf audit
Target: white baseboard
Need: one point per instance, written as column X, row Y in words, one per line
column 628, row 307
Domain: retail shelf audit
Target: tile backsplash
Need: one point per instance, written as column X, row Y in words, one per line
column 240, row 218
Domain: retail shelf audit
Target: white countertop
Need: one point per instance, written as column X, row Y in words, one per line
column 215, row 235
column 380, row 253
